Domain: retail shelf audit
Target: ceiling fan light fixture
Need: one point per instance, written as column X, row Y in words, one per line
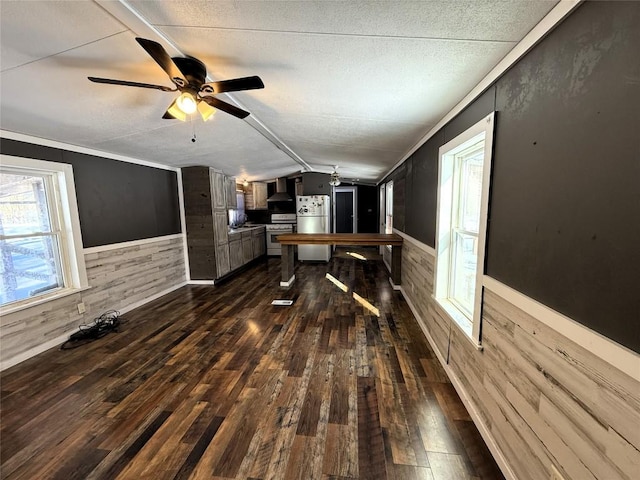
column 334, row 181
column 206, row 110
column 187, row 103
column 176, row 112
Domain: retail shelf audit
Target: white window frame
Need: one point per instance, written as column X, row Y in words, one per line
column 388, row 219
column 471, row 326
column 64, row 209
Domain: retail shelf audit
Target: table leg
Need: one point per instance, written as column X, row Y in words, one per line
column 287, row 266
column 396, row 265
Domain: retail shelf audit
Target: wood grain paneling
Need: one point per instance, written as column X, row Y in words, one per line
column 541, row 397
column 118, row 278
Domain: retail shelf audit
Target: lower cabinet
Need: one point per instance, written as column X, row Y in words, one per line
column 222, row 259
column 259, row 243
column 247, row 247
column 236, row 257
column 240, row 250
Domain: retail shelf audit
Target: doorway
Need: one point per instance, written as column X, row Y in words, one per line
column 345, row 208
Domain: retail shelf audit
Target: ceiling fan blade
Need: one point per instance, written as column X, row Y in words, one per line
column 234, row 85
column 131, row 84
column 225, row 107
column 162, row 58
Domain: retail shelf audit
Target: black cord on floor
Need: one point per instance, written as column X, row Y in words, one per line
column 106, row 323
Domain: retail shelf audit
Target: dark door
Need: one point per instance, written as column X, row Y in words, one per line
column 344, row 212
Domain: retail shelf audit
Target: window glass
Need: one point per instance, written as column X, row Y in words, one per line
column 31, row 263
column 389, row 201
column 463, row 271
column 470, row 189
column 466, row 223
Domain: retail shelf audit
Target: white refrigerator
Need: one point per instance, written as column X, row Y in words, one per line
column 313, row 217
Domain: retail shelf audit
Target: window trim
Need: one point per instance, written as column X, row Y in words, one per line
column 72, row 252
column 388, row 208
column 483, row 128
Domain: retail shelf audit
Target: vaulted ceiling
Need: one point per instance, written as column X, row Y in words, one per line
column 350, row 83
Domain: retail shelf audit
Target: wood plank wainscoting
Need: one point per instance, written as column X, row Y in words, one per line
column 215, row 382
column 121, row 276
column 543, row 399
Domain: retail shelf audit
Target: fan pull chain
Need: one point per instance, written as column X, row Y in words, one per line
column 193, row 129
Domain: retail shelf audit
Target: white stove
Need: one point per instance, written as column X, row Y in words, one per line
column 281, row 223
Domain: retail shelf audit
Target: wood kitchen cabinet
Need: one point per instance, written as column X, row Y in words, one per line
column 256, row 196
column 222, row 260
column 230, row 186
column 221, row 227
column 236, row 257
column 218, row 189
column 247, row 246
column 206, row 225
column 259, row 240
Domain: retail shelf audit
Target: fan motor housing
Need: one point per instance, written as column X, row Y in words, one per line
column 193, row 69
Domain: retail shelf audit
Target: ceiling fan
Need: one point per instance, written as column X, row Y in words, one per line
column 189, row 76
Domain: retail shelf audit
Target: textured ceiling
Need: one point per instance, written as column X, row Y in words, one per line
column 354, row 84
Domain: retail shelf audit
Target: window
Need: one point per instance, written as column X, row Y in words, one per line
column 463, row 193
column 39, row 232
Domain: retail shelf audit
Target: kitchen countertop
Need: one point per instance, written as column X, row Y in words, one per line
column 244, row 228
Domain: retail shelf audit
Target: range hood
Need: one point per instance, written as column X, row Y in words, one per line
column 281, row 194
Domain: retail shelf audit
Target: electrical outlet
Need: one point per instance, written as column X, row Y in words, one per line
column 81, row 308
column 555, row 474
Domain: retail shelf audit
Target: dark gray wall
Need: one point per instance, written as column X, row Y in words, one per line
column 117, row 201
column 565, row 209
column 316, row 183
column 564, row 214
column 399, row 177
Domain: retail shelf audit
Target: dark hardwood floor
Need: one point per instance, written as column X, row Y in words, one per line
column 215, row 382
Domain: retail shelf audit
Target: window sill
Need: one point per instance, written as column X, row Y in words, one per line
column 460, row 320
column 26, row 304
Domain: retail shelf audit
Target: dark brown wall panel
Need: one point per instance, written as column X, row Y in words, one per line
column 421, row 206
column 314, row 183
column 472, row 114
column 117, row 201
column 565, row 205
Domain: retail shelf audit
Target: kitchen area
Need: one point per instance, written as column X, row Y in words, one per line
column 230, row 224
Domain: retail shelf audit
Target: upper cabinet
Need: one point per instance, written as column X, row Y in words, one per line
column 218, row 190
column 256, row 197
column 232, row 199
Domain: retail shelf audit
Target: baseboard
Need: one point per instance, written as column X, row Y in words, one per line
column 144, row 301
column 495, row 450
column 59, row 340
column 289, row 282
column 32, row 352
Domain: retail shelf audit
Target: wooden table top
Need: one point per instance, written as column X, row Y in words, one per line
column 363, row 239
